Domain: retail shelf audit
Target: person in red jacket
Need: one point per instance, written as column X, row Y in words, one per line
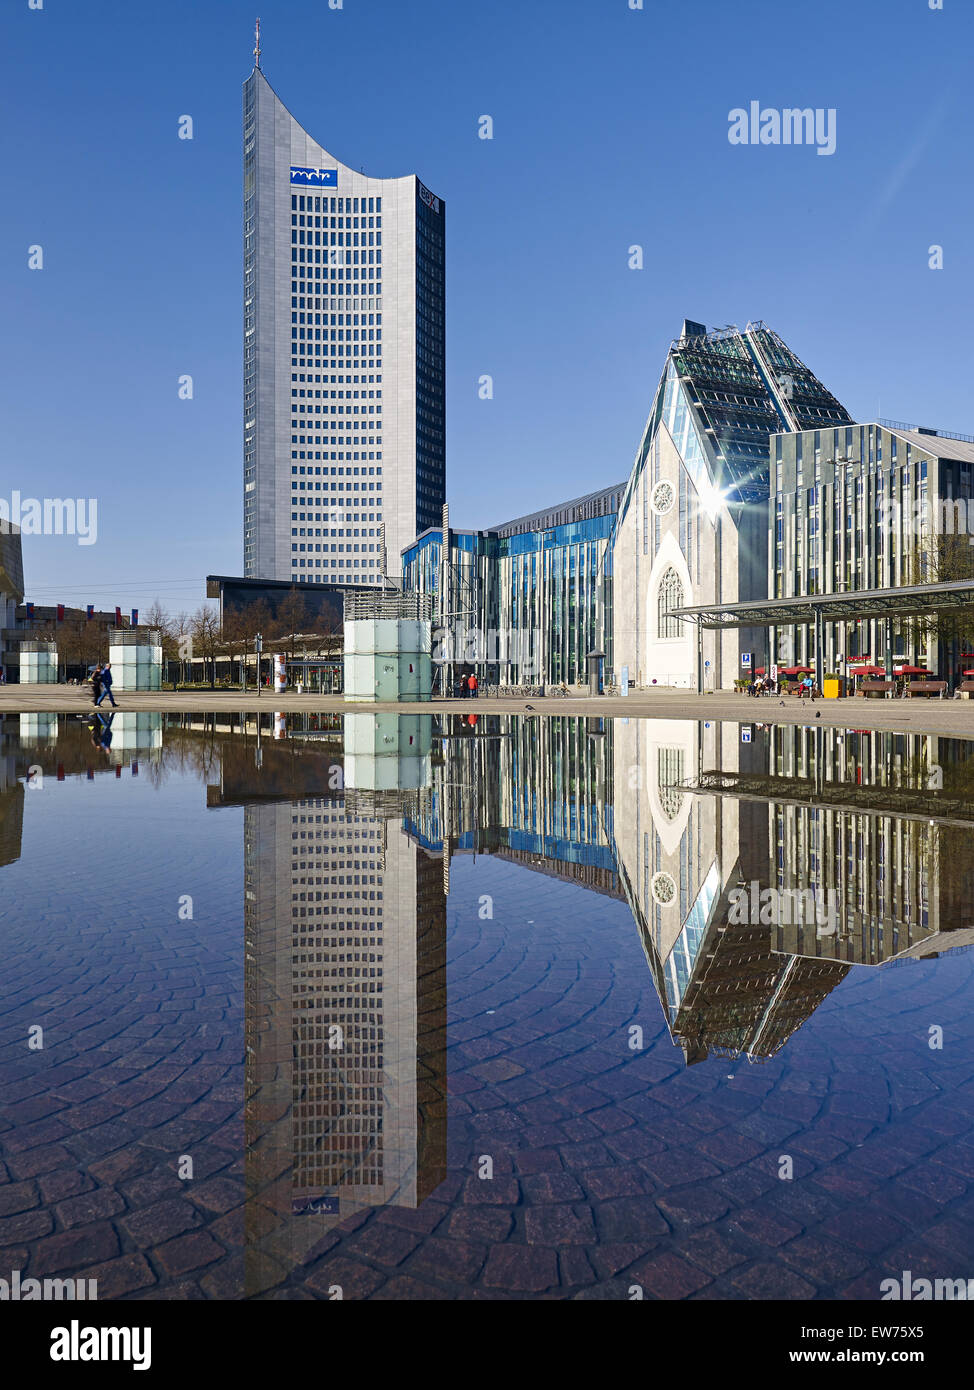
column 472, row 685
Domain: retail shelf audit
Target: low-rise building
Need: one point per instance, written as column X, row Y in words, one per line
column 11, row 594
column 524, row 602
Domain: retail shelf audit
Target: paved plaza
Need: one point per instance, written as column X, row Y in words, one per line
column 954, row 718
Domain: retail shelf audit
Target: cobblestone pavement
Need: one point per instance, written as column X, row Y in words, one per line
column 614, row 1169
column 143, row 1042
column 611, row 1168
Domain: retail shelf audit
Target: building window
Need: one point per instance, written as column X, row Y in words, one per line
column 670, row 597
column 669, row 776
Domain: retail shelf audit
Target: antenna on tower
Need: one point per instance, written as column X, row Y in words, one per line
column 257, row 44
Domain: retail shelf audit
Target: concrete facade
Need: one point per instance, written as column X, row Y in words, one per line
column 344, row 342
column 647, row 552
column 872, row 506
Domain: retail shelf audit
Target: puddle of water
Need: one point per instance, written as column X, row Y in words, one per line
column 404, row 1007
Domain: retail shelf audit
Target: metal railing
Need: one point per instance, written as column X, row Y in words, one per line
column 923, row 429
column 373, row 607
column 134, row 637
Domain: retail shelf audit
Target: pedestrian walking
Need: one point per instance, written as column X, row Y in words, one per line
column 96, row 685
column 472, row 685
column 106, row 680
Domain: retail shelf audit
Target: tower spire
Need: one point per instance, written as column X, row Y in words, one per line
column 257, row 44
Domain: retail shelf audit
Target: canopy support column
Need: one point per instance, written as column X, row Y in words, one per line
column 819, row 633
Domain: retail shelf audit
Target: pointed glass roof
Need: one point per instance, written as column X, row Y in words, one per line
column 722, row 396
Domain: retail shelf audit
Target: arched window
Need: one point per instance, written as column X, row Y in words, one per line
column 670, row 597
column 669, row 768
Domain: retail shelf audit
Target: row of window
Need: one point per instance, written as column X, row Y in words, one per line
column 341, row 547
column 301, row 202
column 336, row 578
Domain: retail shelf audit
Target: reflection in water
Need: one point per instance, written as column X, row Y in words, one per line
column 345, row 938
column 347, row 871
column 350, row 829
column 678, row 816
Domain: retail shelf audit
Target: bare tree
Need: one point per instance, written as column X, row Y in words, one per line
column 205, row 631
column 236, row 640
column 157, row 619
column 81, row 642
column 941, row 558
column 240, row 629
column 292, row 618
column 181, row 636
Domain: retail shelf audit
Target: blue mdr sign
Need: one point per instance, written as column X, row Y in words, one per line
column 314, row 178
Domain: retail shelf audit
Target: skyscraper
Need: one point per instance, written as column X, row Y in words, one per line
column 344, row 345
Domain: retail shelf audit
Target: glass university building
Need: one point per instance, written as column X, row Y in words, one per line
column 693, row 524
column 604, row 572
column 344, row 342
column 751, row 484
column 526, row 601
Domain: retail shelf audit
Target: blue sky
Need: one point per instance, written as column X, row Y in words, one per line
column 610, row 130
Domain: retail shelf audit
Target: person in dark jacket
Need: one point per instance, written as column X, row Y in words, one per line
column 106, row 680
column 96, row 685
